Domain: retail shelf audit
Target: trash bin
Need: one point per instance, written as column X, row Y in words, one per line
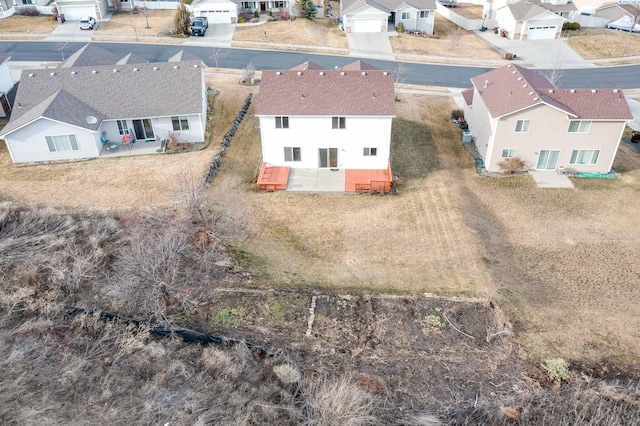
column 61, row 19
column 466, row 136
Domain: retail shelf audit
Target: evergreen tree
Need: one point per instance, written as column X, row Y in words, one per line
column 182, row 20
column 306, row 9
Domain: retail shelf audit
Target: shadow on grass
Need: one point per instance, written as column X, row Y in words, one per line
column 413, row 151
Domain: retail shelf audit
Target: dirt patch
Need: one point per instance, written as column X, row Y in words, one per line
column 321, row 32
column 155, row 23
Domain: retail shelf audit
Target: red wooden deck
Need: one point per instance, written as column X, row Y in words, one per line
column 273, row 178
column 368, row 180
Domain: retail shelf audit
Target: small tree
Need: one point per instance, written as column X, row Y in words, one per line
column 454, row 39
column 306, row 9
column 182, row 20
column 248, row 73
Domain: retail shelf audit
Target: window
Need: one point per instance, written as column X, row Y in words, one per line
column 579, row 126
column 508, row 153
column 424, row 14
column 291, row 154
column 405, row 15
column 370, row 152
column 584, row 156
column 338, row 122
column 522, row 126
column 278, row 4
column 180, row 123
column 123, row 128
column 62, row 143
column 282, row 122
column 247, row 5
column 28, row 1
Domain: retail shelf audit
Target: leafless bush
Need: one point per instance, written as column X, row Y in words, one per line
column 27, row 11
column 511, row 165
column 338, row 401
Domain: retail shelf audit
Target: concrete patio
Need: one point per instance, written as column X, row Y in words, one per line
column 136, row 148
column 316, row 180
column 550, row 179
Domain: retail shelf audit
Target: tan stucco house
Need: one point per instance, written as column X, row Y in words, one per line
column 524, row 20
column 516, row 112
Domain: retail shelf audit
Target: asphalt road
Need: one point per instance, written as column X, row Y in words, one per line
column 624, row 77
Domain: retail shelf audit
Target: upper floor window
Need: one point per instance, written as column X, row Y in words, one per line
column 62, row 143
column 424, row 14
column 282, row 122
column 338, row 122
column 584, row 156
column 522, row 126
column 405, row 15
column 579, row 126
column 180, row 123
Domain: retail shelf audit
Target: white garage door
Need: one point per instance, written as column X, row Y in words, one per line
column 366, row 26
column 542, row 32
column 74, row 13
column 217, row 16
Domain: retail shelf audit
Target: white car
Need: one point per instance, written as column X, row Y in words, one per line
column 87, row 23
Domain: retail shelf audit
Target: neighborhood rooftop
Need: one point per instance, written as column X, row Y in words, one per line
column 349, row 6
column 71, row 95
column 525, row 10
column 359, row 89
column 512, row 88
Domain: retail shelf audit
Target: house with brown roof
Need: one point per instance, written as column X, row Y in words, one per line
column 70, row 112
column 368, row 16
column 516, row 112
column 330, row 122
column 525, row 20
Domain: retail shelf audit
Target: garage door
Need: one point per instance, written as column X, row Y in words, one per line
column 542, row 33
column 74, row 13
column 217, row 16
column 366, row 26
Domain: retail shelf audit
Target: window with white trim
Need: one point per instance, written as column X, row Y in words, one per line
column 62, row 143
column 579, row 126
column 278, row 4
column 338, row 122
column 180, row 123
column 424, row 14
column 522, row 126
column 370, row 152
column 508, row 153
column 405, row 15
column 584, row 156
column 123, row 127
column 282, row 122
column 292, row 154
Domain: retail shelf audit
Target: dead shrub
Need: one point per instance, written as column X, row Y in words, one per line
column 339, row 401
column 511, row 165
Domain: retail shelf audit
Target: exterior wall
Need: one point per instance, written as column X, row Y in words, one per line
column 6, row 80
column 481, row 125
column 414, row 22
column 549, row 131
column 313, row 133
column 611, row 13
column 506, row 21
column 28, row 144
column 549, row 20
column 162, row 126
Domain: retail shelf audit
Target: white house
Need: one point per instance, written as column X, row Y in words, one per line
column 73, row 10
column 526, row 21
column 63, row 113
column 313, row 118
column 216, row 11
column 6, row 84
column 367, row 16
column 516, row 112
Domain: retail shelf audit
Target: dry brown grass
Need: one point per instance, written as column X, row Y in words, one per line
column 124, row 182
column 469, row 45
column 27, row 24
column 128, row 24
column 597, row 43
column 310, row 32
column 469, row 11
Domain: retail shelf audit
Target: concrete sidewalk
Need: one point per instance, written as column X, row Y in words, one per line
column 550, row 179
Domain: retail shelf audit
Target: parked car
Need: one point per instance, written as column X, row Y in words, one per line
column 199, row 26
column 449, row 3
column 87, row 23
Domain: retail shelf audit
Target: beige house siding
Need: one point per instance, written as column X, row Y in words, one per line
column 481, row 125
column 549, row 131
column 612, row 12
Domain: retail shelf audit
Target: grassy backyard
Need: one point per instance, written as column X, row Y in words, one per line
column 601, row 43
column 310, row 32
column 27, row 24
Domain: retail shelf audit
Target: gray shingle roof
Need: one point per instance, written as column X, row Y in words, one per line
column 349, row 6
column 3, row 57
column 525, row 10
column 89, row 55
column 183, row 56
column 108, row 92
column 327, row 92
column 132, row 58
column 568, row 7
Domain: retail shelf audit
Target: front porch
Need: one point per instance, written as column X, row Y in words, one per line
column 140, row 147
column 274, row 178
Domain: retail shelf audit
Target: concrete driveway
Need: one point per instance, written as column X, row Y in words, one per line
column 219, row 35
column 545, row 54
column 371, row 45
column 71, row 28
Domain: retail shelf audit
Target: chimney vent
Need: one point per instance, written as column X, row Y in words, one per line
column 593, row 90
column 74, row 72
column 31, row 75
column 94, row 72
column 299, row 72
column 52, row 74
column 486, row 84
column 364, row 74
column 342, row 73
column 572, row 90
column 278, row 73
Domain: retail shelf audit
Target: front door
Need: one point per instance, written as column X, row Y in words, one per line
column 263, row 6
column 548, row 160
column 143, row 129
column 328, row 158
